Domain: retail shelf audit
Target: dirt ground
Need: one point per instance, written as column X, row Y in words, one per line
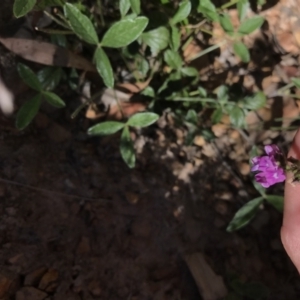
column 76, row 223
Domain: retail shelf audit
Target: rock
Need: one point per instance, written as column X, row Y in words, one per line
column 132, row 198
column 5, row 284
column 94, row 288
column 199, row 140
column 33, row 278
column 14, row 259
column 221, row 207
column 48, row 282
column 30, row 293
column 244, row 168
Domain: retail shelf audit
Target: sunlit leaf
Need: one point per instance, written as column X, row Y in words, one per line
column 226, row 23
column 255, row 102
column 182, row 12
column 104, row 67
column 124, row 7
column 142, row 119
column 208, row 9
column 124, row 32
column 81, row 24
column 251, row 25
column 173, row 59
column 237, row 117
column 106, row 128
column 157, row 39
column 241, row 51
column 136, row 6
column 242, row 6
column 175, row 38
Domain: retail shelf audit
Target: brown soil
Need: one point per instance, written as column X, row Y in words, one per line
column 76, row 223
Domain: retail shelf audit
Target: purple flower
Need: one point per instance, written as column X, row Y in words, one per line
column 267, row 168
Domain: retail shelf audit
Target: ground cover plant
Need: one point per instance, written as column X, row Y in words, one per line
column 193, row 63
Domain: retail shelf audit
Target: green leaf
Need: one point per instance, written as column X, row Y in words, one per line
column 28, row 111
column 237, row 117
column 202, row 92
column 149, row 92
column 106, row 128
column 251, row 25
column 296, row 82
column 53, row 99
column 182, row 12
column 172, row 59
column 222, row 92
column 257, row 101
column 226, row 23
column 136, row 6
column 157, row 39
column 245, row 214
column 49, row 77
column 142, row 119
column 175, row 38
column 217, row 115
column 124, row 7
column 276, row 201
column 190, row 71
column 259, row 188
column 208, row 9
column 104, row 67
column 81, row 24
column 144, row 66
column 191, row 116
column 124, row 32
column 242, row 6
column 43, row 4
column 29, row 77
column 126, row 148
column 241, row 51
column 22, row 7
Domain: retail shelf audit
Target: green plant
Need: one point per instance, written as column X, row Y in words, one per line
column 126, row 146
column 29, row 110
column 149, row 46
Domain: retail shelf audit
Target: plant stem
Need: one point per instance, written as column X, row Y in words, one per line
column 59, row 22
column 207, row 50
column 99, row 3
column 228, row 4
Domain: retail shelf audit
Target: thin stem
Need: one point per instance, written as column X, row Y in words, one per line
column 206, row 31
column 286, row 87
column 54, row 31
column 228, row 4
column 208, row 100
column 78, row 109
column 207, row 50
column 59, row 22
column 99, row 3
